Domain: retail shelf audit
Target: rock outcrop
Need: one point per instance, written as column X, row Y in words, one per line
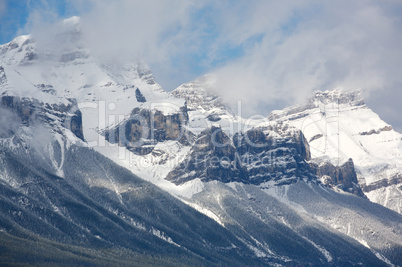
column 343, row 176
column 139, row 96
column 29, row 110
column 334, row 98
column 385, row 128
column 145, row 128
column 3, row 77
column 273, row 153
column 213, row 157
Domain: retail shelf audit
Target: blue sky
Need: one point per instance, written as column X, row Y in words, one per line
column 266, row 53
column 14, row 14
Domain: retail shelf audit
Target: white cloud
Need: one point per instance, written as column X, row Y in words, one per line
column 350, row 44
column 287, row 48
column 160, row 32
column 9, row 122
column 133, row 28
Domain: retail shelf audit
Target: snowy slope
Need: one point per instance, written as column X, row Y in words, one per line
column 265, row 216
column 339, row 126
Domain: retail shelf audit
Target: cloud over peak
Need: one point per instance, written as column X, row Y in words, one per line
column 267, row 53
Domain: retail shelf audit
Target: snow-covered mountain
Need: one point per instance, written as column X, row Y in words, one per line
column 96, row 155
column 339, row 126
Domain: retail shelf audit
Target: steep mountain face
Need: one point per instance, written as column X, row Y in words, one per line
column 271, row 153
column 202, row 104
column 212, row 157
column 340, row 126
column 275, row 152
column 343, row 177
column 79, row 136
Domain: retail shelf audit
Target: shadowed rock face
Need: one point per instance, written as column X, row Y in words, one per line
column 275, row 153
column 274, row 136
column 145, row 128
column 257, row 156
column 396, row 179
column 30, row 110
column 139, row 96
column 383, row 129
column 3, row 77
column 213, row 157
column 343, row 177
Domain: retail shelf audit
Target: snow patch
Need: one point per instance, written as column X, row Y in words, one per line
column 205, row 211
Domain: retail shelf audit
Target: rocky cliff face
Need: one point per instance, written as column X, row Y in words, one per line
column 139, row 96
column 27, row 111
column 343, row 177
column 213, row 157
column 273, row 153
column 3, row 77
column 145, row 128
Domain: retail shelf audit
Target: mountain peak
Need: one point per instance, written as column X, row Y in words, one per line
column 331, row 99
column 339, row 96
column 200, row 95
